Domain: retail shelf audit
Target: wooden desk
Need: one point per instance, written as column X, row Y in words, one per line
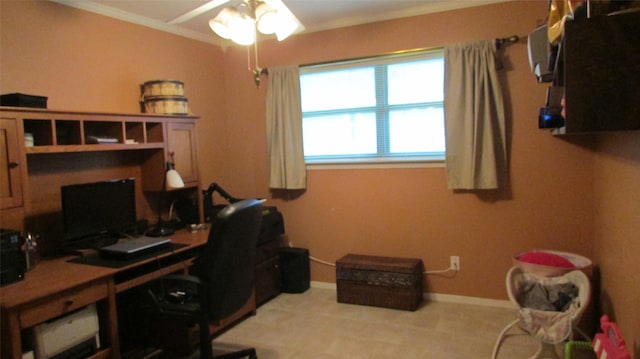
column 56, row 287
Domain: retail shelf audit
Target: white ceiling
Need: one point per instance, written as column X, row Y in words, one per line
column 315, row 15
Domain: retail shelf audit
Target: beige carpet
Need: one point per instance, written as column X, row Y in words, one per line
column 313, row 325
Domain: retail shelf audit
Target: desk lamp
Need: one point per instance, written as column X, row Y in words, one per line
column 172, row 180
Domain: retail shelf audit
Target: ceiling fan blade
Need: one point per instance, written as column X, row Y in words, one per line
column 197, row 11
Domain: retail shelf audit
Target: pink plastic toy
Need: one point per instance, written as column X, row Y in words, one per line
column 609, row 344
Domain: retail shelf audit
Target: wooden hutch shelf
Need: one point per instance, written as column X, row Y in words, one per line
column 91, row 148
column 53, row 129
column 62, row 147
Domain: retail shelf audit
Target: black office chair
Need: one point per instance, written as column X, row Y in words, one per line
column 221, row 281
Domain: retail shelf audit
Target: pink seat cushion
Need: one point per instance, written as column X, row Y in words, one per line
column 546, row 259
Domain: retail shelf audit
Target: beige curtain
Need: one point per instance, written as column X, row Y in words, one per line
column 474, row 117
column 284, row 129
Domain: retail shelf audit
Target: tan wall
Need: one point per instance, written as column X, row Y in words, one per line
column 84, row 61
column 617, row 240
column 410, row 212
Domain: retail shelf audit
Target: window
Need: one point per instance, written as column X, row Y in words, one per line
column 382, row 109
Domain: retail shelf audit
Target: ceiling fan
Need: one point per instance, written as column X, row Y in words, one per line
column 239, row 21
column 197, row 11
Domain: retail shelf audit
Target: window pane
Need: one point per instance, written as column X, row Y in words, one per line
column 340, row 134
column 417, row 81
column 417, row 130
column 374, row 109
column 338, row 89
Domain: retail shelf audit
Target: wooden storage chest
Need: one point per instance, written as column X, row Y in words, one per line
column 380, row 281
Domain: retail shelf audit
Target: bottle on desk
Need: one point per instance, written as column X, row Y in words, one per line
column 30, row 248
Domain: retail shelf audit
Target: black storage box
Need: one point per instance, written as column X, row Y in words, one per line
column 294, row 266
column 22, row 100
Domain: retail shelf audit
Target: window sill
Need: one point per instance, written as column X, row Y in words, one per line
column 336, row 164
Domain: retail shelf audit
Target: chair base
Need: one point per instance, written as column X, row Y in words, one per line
column 206, row 346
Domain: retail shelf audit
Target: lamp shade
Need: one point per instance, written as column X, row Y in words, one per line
column 266, row 19
column 280, row 19
column 221, row 23
column 286, row 26
column 243, row 30
column 173, row 179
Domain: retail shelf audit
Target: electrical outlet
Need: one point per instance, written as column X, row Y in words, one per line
column 454, row 263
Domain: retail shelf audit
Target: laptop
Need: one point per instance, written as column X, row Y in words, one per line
column 129, row 248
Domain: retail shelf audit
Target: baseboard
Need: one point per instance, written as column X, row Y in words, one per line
column 450, row 298
column 323, row 285
column 436, row 297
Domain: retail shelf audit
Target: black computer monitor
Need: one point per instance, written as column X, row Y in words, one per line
column 96, row 214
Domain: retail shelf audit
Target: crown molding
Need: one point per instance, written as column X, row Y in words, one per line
column 109, row 11
column 427, row 8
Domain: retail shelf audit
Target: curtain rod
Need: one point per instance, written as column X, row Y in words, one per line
column 507, row 40
column 498, row 41
column 401, row 52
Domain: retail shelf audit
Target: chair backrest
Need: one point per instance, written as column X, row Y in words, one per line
column 227, row 261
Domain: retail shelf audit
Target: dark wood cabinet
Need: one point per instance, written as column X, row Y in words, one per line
column 268, row 279
column 599, row 69
column 10, row 165
column 182, row 150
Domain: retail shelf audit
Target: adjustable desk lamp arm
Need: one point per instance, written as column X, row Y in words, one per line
column 208, row 193
column 207, row 198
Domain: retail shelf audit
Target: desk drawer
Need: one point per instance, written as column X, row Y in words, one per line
column 62, row 303
column 266, row 251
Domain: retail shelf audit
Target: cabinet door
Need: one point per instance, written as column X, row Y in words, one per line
column 181, row 142
column 10, row 181
column 601, row 73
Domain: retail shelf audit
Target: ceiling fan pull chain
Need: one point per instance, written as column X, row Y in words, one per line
column 248, row 58
column 255, row 45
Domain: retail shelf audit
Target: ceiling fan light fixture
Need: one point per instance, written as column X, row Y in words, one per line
column 286, row 27
column 267, row 19
column 242, row 22
column 287, row 23
column 266, row 16
column 243, row 31
column 221, row 23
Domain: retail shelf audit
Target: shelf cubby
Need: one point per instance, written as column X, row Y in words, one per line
column 106, row 129
column 154, row 132
column 134, row 131
column 68, row 132
column 41, row 130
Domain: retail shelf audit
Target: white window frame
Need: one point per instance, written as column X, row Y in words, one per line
column 433, row 159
